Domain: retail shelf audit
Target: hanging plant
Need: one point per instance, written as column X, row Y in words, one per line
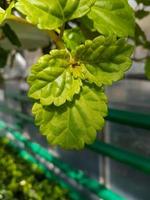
column 92, row 51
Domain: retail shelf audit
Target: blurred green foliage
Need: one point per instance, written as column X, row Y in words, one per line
column 21, row 181
column 143, row 10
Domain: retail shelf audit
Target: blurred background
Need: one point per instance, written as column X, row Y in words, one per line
column 127, row 131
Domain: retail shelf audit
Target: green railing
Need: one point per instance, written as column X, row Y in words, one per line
column 77, row 175
column 138, row 120
column 136, row 161
column 73, row 194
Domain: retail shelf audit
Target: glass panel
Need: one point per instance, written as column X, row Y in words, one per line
column 134, row 96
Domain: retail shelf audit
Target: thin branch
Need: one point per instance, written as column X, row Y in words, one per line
column 56, row 39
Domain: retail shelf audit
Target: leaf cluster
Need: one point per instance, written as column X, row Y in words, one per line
column 91, row 52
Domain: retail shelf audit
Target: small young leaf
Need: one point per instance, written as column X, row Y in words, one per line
column 51, row 79
column 50, row 14
column 104, row 60
column 73, row 37
column 113, row 16
column 140, row 36
column 75, row 123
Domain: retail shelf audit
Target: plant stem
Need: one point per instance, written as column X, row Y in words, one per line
column 62, row 31
column 57, row 40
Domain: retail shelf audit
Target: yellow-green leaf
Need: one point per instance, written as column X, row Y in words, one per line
column 113, row 17
column 51, row 79
column 73, row 124
column 73, row 37
column 51, row 14
column 104, row 59
column 4, row 14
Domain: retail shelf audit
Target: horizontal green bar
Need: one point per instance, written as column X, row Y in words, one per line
column 135, row 119
column 73, row 194
column 77, row 175
column 139, row 162
column 139, row 120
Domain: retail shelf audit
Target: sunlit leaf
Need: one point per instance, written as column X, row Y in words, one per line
column 73, row 37
column 48, row 14
column 56, row 77
column 4, row 14
column 51, row 79
column 113, row 16
column 104, row 59
column 75, row 123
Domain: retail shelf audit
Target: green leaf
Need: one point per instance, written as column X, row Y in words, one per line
column 48, row 14
column 75, row 123
column 147, row 68
column 87, row 28
column 51, row 79
column 145, row 2
column 104, row 60
column 11, row 35
column 56, row 77
column 140, row 36
column 73, row 37
column 3, row 57
column 140, row 14
column 113, row 16
column 4, row 14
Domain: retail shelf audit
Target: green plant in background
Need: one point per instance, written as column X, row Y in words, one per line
column 91, row 52
column 141, row 40
column 22, row 181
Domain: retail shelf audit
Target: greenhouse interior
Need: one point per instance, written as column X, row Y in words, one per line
column 74, row 100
